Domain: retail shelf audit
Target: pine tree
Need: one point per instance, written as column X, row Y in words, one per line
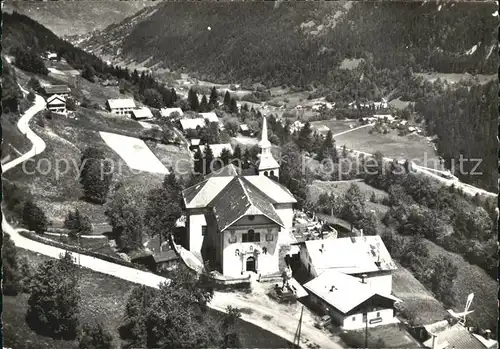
column 204, row 104
column 209, row 157
column 237, row 156
column 304, row 142
column 193, row 100
column 233, row 108
column 214, row 96
column 173, row 95
column 96, row 175
column 227, row 99
column 225, row 156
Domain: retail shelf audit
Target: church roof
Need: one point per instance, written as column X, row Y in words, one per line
column 227, row 171
column 240, row 198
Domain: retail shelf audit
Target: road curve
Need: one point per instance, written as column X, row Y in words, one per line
column 285, row 326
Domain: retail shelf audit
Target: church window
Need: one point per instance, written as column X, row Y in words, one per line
column 269, row 237
column 251, row 217
column 232, row 238
column 251, row 236
column 203, row 230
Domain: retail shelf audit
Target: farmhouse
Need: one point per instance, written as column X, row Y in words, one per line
column 120, row 106
column 217, row 149
column 61, row 90
column 350, row 301
column 192, row 124
column 244, row 130
column 362, row 257
column 240, row 224
column 210, row 117
column 167, row 112
column 143, row 113
column 56, row 104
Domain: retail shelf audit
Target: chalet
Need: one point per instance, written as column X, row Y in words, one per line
column 52, row 56
column 217, row 149
column 445, row 335
column 61, row 90
column 362, row 257
column 57, row 104
column 195, row 144
column 167, row 112
column 121, row 106
column 192, row 124
column 244, row 130
column 143, row 113
column 239, row 224
column 351, row 302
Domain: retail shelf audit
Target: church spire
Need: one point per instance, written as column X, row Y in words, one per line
column 264, row 142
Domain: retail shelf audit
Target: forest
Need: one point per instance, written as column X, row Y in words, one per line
column 262, row 42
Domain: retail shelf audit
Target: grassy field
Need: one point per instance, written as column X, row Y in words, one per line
column 390, row 336
column 14, row 142
column 390, row 145
column 336, row 126
column 416, row 298
column 66, row 139
column 472, row 278
column 454, row 78
column 316, row 188
column 103, row 298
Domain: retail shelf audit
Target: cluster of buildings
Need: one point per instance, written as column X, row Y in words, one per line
column 56, row 98
column 383, row 104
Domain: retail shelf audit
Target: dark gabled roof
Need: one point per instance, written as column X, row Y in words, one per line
column 227, row 171
column 241, row 198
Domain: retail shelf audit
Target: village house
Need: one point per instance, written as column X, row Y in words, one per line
column 240, row 224
column 61, row 90
column 244, row 130
column 195, row 144
column 446, row 335
column 217, row 149
column 192, row 124
column 143, row 113
column 121, row 106
column 362, row 257
column 51, row 56
column 350, row 301
column 210, row 117
column 167, row 112
column 57, row 104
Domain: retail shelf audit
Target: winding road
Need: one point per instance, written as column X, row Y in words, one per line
column 281, row 324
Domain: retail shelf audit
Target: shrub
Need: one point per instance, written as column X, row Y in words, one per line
column 31, row 96
column 34, row 218
column 11, row 276
column 78, row 224
column 95, row 337
column 53, row 303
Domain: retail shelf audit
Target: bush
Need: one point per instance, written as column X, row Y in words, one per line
column 78, row 224
column 95, row 337
column 31, row 96
column 53, row 304
column 34, row 218
column 11, row 276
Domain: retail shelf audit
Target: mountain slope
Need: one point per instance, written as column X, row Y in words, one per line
column 76, row 17
column 298, row 43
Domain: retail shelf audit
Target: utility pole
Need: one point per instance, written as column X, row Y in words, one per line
column 299, row 329
column 366, row 329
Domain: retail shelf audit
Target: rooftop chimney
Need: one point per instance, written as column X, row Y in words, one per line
column 363, row 277
column 332, row 288
column 487, row 334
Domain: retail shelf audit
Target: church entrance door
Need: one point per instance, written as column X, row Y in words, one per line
column 251, row 264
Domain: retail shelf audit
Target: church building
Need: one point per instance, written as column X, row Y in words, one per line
column 240, row 224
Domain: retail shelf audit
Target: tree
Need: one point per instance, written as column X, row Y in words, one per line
column 96, row 337
column 54, row 297
column 199, row 166
column 153, row 98
column 213, row 100
column 209, row 158
column 225, row 156
column 10, row 272
column 96, row 175
column 227, row 99
column 78, row 224
column 124, row 215
column 231, row 335
column 34, row 218
column 35, row 85
column 204, row 104
column 70, row 104
column 30, row 61
column 233, row 106
column 163, row 207
column 31, row 96
column 88, row 72
column 193, row 100
column 237, row 157
column 354, row 205
column 441, row 273
column 305, row 138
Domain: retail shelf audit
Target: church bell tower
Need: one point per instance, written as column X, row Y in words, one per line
column 268, row 166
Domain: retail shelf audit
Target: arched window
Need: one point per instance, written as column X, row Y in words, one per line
column 251, row 236
column 266, row 174
column 271, row 173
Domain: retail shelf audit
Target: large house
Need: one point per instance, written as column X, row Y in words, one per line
column 121, row 106
column 350, row 301
column 362, row 257
column 167, row 112
column 210, row 117
column 192, row 124
column 57, row 104
column 239, row 224
column 217, row 149
column 61, row 90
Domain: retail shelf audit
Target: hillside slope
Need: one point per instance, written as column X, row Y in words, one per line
column 299, row 43
column 76, row 17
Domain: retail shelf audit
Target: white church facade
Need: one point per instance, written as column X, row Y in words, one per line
column 240, row 224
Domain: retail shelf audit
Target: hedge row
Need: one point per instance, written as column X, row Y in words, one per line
column 33, row 236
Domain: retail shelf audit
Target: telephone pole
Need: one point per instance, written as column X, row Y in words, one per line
column 299, row 329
